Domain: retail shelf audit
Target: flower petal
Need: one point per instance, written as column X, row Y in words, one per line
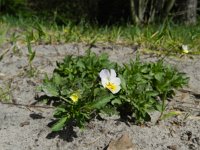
column 112, row 73
column 115, row 80
column 184, row 47
column 74, row 97
column 104, row 74
column 104, row 82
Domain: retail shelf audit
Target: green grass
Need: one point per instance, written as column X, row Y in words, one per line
column 165, row 38
column 5, row 92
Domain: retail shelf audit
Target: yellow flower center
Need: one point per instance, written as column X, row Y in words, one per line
column 111, row 86
column 74, row 97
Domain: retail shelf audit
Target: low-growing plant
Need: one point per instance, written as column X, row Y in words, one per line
column 148, row 85
column 165, row 39
column 5, row 92
column 31, row 55
column 75, row 85
column 82, row 87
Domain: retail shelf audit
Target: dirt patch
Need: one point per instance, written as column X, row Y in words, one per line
column 23, row 126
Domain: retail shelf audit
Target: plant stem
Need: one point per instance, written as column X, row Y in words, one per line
column 61, row 97
column 163, row 106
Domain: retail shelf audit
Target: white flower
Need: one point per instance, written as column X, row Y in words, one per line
column 185, row 49
column 109, row 80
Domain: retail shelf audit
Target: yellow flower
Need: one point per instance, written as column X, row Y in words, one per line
column 74, row 97
column 65, row 30
column 110, row 81
column 185, row 49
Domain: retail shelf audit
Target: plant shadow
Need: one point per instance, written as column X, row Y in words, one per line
column 54, row 101
column 125, row 114
column 66, row 134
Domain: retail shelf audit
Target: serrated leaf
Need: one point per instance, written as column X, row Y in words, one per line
column 59, row 111
column 145, row 69
column 123, row 82
column 109, row 113
column 57, row 79
column 152, row 93
column 50, row 90
column 101, row 102
column 59, row 125
column 159, row 76
column 80, row 64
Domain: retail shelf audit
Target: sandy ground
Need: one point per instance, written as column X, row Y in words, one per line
column 25, row 127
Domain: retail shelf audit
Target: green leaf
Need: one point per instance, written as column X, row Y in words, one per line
column 124, row 98
column 101, row 102
column 59, row 125
column 46, row 78
column 109, row 112
column 31, row 56
column 60, row 109
column 159, row 107
column 152, row 93
column 80, row 64
column 1, row 57
column 29, row 45
column 159, row 76
column 123, row 82
column 97, row 91
column 145, row 69
column 146, row 116
column 103, row 56
column 170, row 114
column 50, row 90
column 116, row 101
column 57, row 79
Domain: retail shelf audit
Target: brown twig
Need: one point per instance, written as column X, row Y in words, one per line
column 25, row 105
column 189, row 91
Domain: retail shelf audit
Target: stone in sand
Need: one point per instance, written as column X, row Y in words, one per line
column 123, row 143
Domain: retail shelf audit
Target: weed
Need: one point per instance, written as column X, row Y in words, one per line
column 5, row 93
column 165, row 38
column 32, row 71
column 3, row 31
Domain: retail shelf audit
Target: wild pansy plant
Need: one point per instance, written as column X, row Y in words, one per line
column 76, row 90
column 83, row 87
